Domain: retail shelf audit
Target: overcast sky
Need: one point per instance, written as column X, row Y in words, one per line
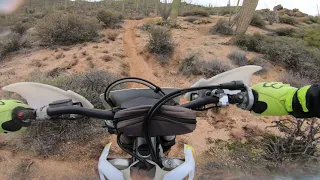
column 306, row 6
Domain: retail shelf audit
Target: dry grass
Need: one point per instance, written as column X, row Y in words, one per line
column 182, row 142
column 112, row 35
column 89, row 62
column 36, row 63
column 60, row 55
column 21, row 172
column 119, row 55
column 84, row 53
column 238, row 57
column 125, row 69
column 106, row 58
column 192, row 65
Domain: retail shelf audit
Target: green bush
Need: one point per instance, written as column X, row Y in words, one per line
column 288, row 20
column 67, row 29
column 285, row 31
column 109, row 18
column 257, row 21
column 294, row 53
column 160, row 42
column 314, row 19
column 238, row 58
column 45, row 138
column 249, row 42
column 225, row 11
column 197, row 12
column 222, row 27
column 312, row 37
column 192, row 65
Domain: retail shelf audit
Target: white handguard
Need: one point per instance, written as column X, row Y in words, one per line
column 38, row 95
column 239, row 74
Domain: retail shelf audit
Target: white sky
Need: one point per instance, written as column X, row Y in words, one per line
column 306, row 6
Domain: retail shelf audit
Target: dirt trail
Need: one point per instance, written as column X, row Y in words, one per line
column 138, row 66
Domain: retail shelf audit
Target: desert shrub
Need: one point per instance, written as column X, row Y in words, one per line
column 20, row 28
column 39, row 15
column 288, row 20
column 249, row 42
column 191, row 19
column 45, row 137
column 314, row 19
column 197, row 12
column 294, row 53
column 312, row 36
column 160, row 42
column 147, row 26
column 238, row 58
column 222, row 27
column 298, row 143
column 112, row 35
column 164, row 10
column 67, row 29
column 295, row 79
column 256, row 60
column 257, row 21
column 289, row 51
column 270, row 18
column 109, row 18
column 10, row 43
column 192, row 65
column 214, row 67
column 225, row 11
column 285, row 31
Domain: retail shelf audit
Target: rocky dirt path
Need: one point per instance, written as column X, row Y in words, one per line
column 138, row 66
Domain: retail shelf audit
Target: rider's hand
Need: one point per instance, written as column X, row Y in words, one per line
column 7, row 123
column 273, row 98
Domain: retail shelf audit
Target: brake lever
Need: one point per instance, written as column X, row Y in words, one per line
column 248, row 99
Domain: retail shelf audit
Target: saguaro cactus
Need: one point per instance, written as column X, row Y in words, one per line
column 174, row 11
column 245, row 16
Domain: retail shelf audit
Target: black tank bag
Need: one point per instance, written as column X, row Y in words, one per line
column 171, row 120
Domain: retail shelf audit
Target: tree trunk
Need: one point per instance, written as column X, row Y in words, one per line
column 174, row 11
column 246, row 12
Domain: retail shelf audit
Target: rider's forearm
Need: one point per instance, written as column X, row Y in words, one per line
column 306, row 102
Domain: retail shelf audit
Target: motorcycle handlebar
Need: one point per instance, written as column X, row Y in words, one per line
column 94, row 113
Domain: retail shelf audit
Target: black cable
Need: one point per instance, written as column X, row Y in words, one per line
column 155, row 108
column 157, row 89
column 131, row 153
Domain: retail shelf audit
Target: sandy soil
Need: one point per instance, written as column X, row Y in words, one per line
column 128, row 49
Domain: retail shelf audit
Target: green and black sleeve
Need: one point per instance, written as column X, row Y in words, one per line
column 306, row 102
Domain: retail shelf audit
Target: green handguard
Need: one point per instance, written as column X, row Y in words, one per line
column 273, row 98
column 6, row 122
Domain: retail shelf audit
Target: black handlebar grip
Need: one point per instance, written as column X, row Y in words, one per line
column 233, row 85
column 201, row 102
